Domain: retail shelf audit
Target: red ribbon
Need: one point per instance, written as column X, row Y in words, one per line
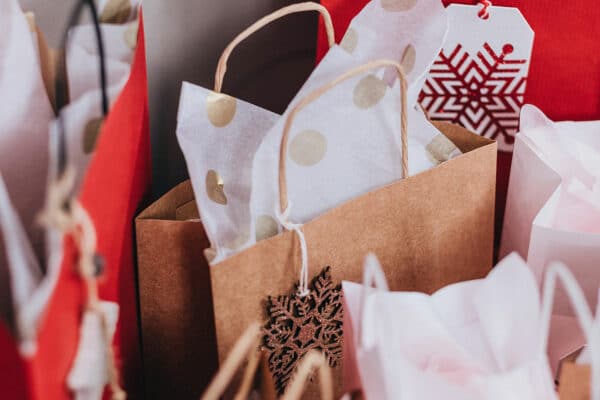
column 484, row 13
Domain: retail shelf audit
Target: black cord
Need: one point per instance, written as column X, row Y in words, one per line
column 60, row 88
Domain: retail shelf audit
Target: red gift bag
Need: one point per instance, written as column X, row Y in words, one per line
column 564, row 76
column 117, row 179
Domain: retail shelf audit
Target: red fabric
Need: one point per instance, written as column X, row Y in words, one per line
column 564, row 76
column 118, row 177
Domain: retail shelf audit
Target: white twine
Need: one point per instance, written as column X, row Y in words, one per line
column 54, row 214
column 75, row 220
column 283, row 219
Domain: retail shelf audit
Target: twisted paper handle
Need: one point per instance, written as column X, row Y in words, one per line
column 247, row 347
column 284, row 204
column 294, row 8
column 311, row 361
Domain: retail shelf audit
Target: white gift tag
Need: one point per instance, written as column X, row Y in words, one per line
column 480, row 76
column 89, row 373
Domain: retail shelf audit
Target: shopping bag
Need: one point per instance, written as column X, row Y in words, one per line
column 430, row 230
column 579, row 378
column 177, row 324
column 81, row 116
column 552, row 202
column 483, row 339
column 471, row 340
column 117, row 180
column 114, row 184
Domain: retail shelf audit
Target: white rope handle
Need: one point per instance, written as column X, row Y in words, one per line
column 555, row 272
column 283, row 219
column 373, row 277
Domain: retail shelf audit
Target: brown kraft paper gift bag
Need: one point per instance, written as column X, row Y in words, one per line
column 178, row 341
column 428, row 230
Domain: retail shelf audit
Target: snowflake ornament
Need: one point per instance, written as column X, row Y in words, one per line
column 298, row 324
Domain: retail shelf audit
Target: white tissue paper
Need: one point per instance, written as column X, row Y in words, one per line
column 83, row 61
column 344, row 144
column 553, row 203
column 473, row 340
column 219, row 135
column 412, row 37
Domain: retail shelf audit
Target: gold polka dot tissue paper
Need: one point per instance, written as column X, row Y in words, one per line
column 344, row 145
column 219, row 135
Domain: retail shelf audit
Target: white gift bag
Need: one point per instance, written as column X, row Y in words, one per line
column 26, row 113
column 553, row 203
column 30, row 290
column 482, row 339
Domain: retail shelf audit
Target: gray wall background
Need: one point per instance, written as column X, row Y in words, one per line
column 184, row 42
column 184, row 39
column 51, row 16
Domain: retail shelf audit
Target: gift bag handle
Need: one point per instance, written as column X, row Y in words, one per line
column 555, row 272
column 261, row 23
column 283, row 194
column 60, row 89
column 312, row 360
column 373, row 277
column 247, row 347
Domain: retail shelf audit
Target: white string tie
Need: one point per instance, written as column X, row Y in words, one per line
column 283, row 219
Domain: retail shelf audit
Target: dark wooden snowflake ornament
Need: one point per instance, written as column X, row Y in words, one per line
column 298, row 324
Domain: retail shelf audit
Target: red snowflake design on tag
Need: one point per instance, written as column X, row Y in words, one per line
column 483, row 93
